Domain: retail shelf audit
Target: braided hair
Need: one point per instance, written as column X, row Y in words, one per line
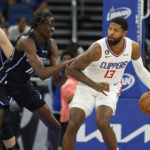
column 40, row 17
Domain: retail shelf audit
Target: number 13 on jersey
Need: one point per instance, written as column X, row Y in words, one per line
column 109, row 73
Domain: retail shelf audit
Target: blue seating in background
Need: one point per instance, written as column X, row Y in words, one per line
column 15, row 11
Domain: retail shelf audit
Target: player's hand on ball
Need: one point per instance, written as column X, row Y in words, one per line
column 102, row 87
column 144, row 103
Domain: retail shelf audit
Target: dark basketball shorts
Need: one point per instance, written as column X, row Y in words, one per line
column 6, row 129
column 5, row 100
column 26, row 95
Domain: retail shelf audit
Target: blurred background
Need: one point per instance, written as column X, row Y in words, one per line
column 78, row 23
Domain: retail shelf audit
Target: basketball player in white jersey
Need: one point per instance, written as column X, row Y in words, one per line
column 99, row 71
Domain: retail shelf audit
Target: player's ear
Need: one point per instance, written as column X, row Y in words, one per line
column 39, row 24
column 125, row 32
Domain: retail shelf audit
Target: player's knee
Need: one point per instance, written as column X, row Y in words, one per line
column 73, row 126
column 102, row 124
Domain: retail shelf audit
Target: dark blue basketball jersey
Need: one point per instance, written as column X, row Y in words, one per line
column 2, row 58
column 5, row 100
column 3, row 73
column 17, row 68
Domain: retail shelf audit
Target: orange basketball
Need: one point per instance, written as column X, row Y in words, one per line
column 144, row 103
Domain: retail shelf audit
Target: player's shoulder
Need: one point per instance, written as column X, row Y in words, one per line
column 52, row 41
column 94, row 51
column 101, row 41
column 135, row 45
column 132, row 41
column 96, row 47
column 25, row 38
column 25, row 41
column 53, row 45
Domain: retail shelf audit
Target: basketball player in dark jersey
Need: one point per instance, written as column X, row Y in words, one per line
column 7, row 134
column 29, row 52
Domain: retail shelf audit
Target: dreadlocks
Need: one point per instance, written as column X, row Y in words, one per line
column 40, row 17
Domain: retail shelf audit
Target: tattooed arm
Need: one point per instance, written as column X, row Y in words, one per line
column 76, row 67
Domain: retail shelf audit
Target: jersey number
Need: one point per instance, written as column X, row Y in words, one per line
column 109, row 73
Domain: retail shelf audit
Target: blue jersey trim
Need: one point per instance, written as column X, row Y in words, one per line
column 111, row 49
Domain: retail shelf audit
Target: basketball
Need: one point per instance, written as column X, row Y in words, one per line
column 144, row 103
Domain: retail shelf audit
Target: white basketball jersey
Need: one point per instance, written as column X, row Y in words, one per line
column 110, row 67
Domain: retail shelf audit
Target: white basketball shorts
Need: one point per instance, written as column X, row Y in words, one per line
column 87, row 98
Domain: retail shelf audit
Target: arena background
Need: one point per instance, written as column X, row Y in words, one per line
column 132, row 128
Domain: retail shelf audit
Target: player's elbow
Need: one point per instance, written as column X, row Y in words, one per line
column 41, row 75
column 42, row 78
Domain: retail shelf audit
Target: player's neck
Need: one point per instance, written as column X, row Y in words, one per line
column 118, row 48
column 40, row 39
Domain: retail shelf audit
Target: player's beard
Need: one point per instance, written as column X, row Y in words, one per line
column 114, row 42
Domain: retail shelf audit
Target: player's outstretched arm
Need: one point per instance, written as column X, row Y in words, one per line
column 140, row 70
column 76, row 67
column 5, row 44
column 58, row 78
column 28, row 45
